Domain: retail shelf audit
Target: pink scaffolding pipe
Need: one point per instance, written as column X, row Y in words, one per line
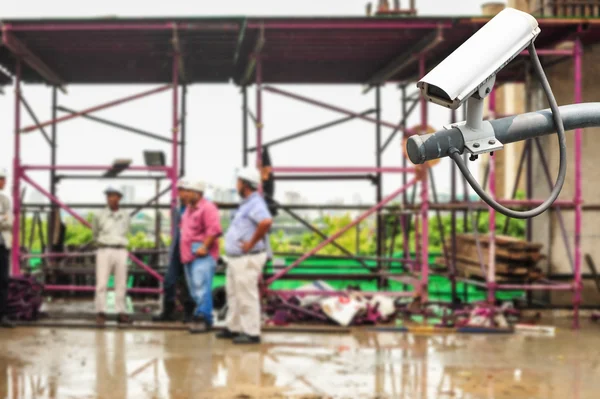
column 16, row 199
column 340, row 232
column 534, row 287
column 491, row 275
column 91, row 288
column 166, row 26
column 339, row 169
column 424, row 288
column 353, row 25
column 78, row 217
column 340, row 293
column 578, row 53
column 490, row 282
column 95, row 167
column 96, row 108
column 52, row 255
column 327, row 106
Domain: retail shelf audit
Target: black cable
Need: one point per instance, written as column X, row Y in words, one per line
column 562, row 171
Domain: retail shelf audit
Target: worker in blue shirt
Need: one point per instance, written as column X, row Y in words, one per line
column 175, row 272
column 246, row 247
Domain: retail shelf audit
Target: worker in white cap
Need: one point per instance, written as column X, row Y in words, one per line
column 110, row 228
column 6, row 224
column 175, row 270
column 199, row 247
column 246, row 246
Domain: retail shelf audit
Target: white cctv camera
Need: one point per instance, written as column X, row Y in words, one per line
column 469, row 73
column 474, row 64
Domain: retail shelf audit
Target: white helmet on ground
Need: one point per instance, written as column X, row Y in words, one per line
column 250, row 175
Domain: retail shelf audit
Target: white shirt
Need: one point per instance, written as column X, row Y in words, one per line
column 6, row 221
column 111, row 228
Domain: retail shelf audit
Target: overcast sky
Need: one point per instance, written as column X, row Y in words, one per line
column 214, row 111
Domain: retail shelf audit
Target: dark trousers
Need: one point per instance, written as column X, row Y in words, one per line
column 175, row 274
column 4, row 278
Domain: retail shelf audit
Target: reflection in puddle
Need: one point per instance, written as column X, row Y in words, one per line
column 46, row 363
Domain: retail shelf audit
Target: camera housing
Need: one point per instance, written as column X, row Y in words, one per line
column 477, row 61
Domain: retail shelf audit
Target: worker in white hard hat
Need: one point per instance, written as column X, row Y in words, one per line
column 110, row 228
column 246, row 246
column 199, row 249
column 175, row 271
column 6, row 224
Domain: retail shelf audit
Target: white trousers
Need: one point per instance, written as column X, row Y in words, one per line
column 109, row 260
column 243, row 298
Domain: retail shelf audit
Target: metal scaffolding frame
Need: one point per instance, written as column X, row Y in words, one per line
column 252, row 37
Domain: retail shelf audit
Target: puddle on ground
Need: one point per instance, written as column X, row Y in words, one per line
column 60, row 363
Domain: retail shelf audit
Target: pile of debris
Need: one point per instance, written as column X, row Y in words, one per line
column 24, row 298
column 344, row 309
column 516, row 260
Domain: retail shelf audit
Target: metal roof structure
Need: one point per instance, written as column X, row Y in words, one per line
column 343, row 50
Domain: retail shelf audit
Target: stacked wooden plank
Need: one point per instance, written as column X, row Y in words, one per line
column 515, row 259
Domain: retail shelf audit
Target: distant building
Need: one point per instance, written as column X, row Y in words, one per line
column 128, row 194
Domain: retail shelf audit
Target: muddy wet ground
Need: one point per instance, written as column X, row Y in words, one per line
column 62, row 363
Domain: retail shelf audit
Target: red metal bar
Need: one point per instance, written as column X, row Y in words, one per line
column 96, row 108
column 327, row 106
column 95, row 167
column 16, row 188
column 90, row 288
column 147, row 268
column 534, row 287
column 341, row 293
column 548, row 52
column 352, row 26
column 71, row 212
column 259, row 124
column 578, row 52
column 56, row 200
column 424, row 201
column 58, row 255
column 337, row 235
column 340, row 169
column 72, row 27
column 491, row 272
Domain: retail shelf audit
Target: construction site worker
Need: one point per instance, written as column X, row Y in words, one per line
column 6, row 221
column 175, row 270
column 199, row 247
column 246, row 248
column 110, row 228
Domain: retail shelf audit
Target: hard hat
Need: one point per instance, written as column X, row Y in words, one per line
column 250, row 174
column 113, row 190
column 193, row 185
column 2, row 173
column 182, row 182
